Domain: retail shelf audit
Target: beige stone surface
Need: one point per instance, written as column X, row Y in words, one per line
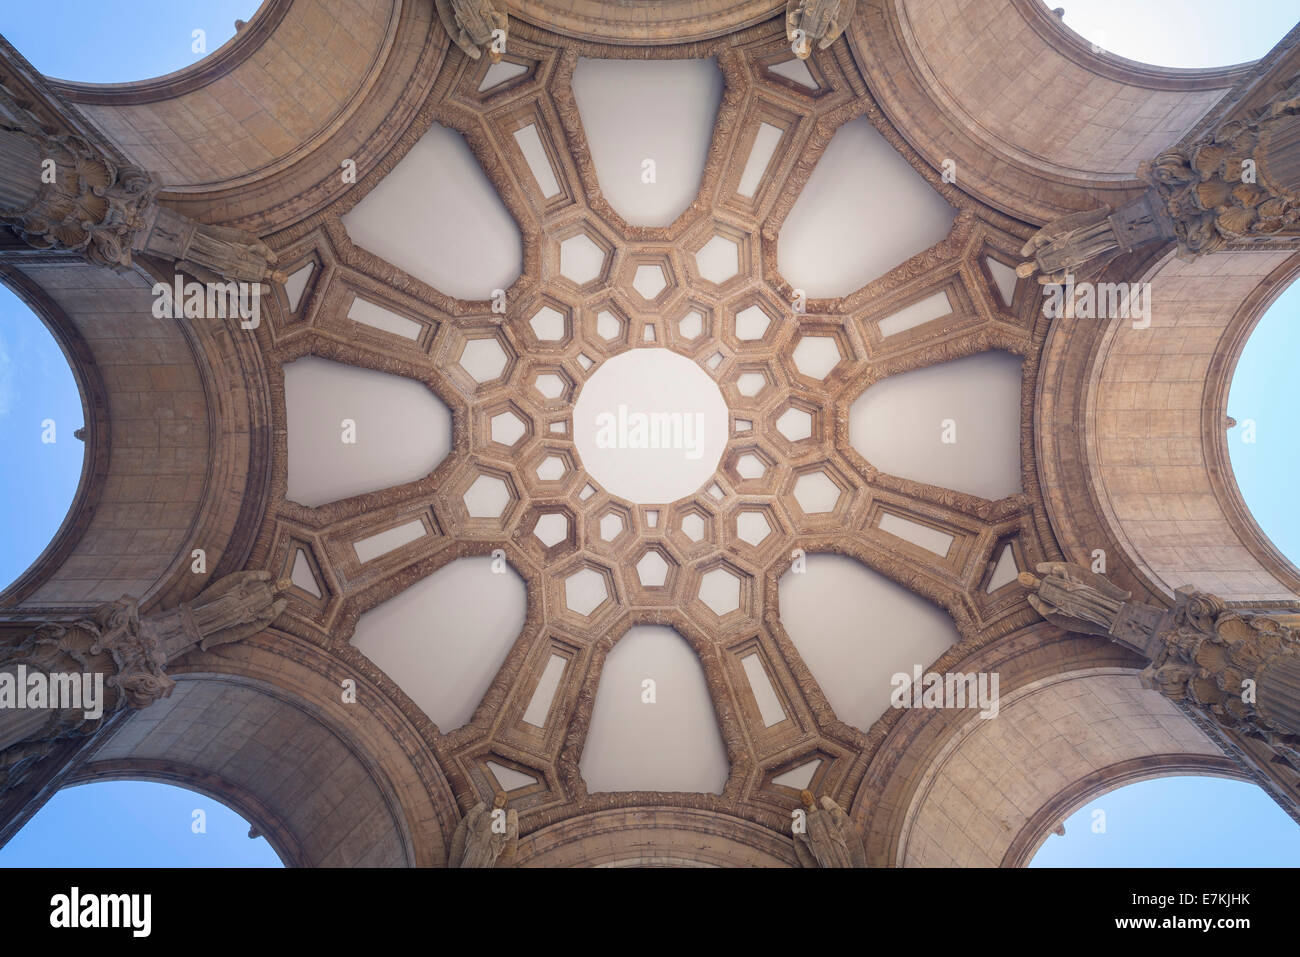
column 995, row 774
column 1022, row 94
column 196, row 422
column 286, row 92
column 158, row 424
column 1151, row 449
column 238, row 741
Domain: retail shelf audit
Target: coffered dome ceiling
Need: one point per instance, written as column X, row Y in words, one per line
column 736, row 241
column 647, row 402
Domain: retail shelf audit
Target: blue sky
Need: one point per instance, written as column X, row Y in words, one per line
column 115, row 42
column 36, row 385
column 135, row 823
column 1171, row 821
column 1265, row 391
column 1210, row 822
column 1182, row 33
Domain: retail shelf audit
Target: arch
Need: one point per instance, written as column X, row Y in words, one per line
column 260, row 100
column 1103, row 781
column 221, row 61
column 253, row 748
column 1156, row 428
column 965, row 82
column 143, row 483
column 1079, row 727
column 93, row 395
column 256, row 132
column 178, row 440
column 259, row 816
column 655, row 836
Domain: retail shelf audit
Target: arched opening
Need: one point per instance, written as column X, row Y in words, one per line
column 41, row 415
column 134, row 823
column 158, row 38
column 1203, row 38
column 1264, row 445
column 1164, row 822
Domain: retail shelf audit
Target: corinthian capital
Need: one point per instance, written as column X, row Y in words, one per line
column 1241, row 665
column 1236, row 183
column 117, row 649
column 61, row 193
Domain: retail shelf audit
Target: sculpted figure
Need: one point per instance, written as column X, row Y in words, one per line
column 105, row 210
column 1063, row 246
column 1235, row 183
column 209, row 253
column 820, row 21
column 470, row 23
column 1074, row 598
column 486, row 836
column 830, row 838
column 239, row 605
column 139, row 655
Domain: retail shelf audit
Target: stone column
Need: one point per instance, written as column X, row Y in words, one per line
column 65, row 679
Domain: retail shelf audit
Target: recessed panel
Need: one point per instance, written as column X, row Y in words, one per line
column 917, row 314
column 539, row 706
column 443, row 639
column 390, row 539
column 871, row 630
column 765, row 143
column 354, row 430
column 649, row 124
column 385, row 320
column 530, row 144
column 769, row 705
column 1004, row 571
column 655, row 736
column 863, row 211
column 954, row 425
column 922, row 536
column 437, row 216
